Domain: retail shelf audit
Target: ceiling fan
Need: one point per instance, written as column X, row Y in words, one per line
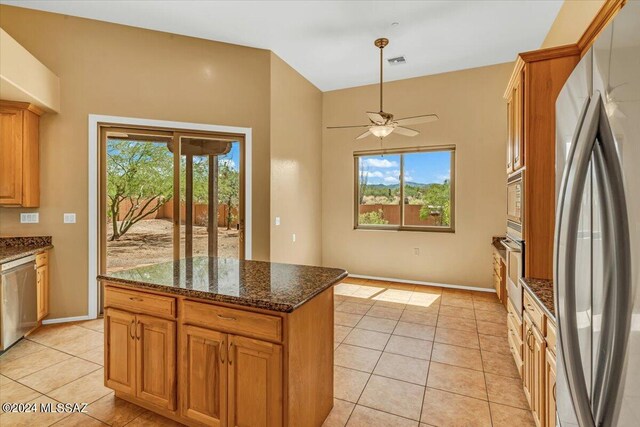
column 382, row 123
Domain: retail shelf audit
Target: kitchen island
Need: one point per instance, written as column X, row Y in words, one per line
column 216, row 341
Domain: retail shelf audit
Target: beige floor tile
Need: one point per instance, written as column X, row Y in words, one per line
column 367, row 292
column 87, row 389
column 407, row 346
column 414, row 330
column 59, row 374
column 368, row 417
column 427, row 289
column 451, row 310
column 457, row 356
column 345, row 288
column 402, row 368
column 113, row 410
column 456, row 323
column 340, row 332
column 442, row 408
column 14, row 392
column 355, row 299
column 401, row 286
column 485, row 305
column 385, row 312
column 31, row 419
column 506, row 416
column 492, row 316
column 336, row 345
column 339, row 414
column 30, row 363
column 456, row 302
column 457, row 337
column 500, row 364
column 423, row 306
column 79, row 420
column 490, row 328
column 368, row 339
column 457, row 293
column 506, row 391
column 430, row 319
column 96, row 355
column 359, row 358
column 457, row 380
column 348, row 383
column 356, row 280
column 495, row 344
column 491, row 297
column 20, row 349
column 354, row 308
column 377, row 324
column 150, row 419
column 72, row 339
column 346, row 319
column 94, row 324
column 393, row 396
column 394, row 295
column 390, row 304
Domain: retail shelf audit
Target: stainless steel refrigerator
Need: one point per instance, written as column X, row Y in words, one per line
column 597, row 241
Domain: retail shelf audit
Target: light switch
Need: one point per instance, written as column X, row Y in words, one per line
column 29, row 218
column 69, row 218
column 277, row 220
column 293, row 237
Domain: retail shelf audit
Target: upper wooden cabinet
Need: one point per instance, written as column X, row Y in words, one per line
column 19, row 155
column 531, row 95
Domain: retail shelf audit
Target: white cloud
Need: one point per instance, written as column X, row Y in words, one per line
column 380, row 163
column 376, row 174
column 391, row 180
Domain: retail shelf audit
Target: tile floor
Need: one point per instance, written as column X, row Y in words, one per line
column 405, row 356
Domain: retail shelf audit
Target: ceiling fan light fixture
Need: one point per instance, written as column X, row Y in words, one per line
column 381, row 131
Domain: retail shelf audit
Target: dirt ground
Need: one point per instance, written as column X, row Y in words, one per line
column 150, row 242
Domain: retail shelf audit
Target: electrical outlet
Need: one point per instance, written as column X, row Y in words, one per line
column 29, row 218
column 416, row 251
column 293, row 237
column 69, row 218
column 277, row 220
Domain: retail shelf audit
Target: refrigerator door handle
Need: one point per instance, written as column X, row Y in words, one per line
column 618, row 301
column 566, row 239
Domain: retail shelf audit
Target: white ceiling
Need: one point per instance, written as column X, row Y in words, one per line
column 331, row 42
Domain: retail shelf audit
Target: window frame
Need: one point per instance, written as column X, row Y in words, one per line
column 401, row 152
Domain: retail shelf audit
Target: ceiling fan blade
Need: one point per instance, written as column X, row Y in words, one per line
column 418, row 119
column 405, row 131
column 348, row 127
column 364, row 135
column 376, row 117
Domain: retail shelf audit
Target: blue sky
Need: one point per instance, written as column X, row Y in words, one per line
column 233, row 156
column 424, row 168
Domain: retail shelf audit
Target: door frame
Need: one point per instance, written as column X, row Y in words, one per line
column 95, row 120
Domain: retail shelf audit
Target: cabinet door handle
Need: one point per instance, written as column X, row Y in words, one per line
column 554, row 391
column 136, row 299
column 230, row 355
column 223, row 344
column 138, row 330
column 220, row 316
column 131, row 329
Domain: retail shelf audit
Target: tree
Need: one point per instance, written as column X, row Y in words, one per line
column 364, row 179
column 373, row 217
column 140, row 173
column 437, row 198
column 228, row 187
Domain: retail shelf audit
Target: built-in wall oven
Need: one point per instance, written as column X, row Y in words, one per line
column 515, row 206
column 513, row 243
column 514, row 273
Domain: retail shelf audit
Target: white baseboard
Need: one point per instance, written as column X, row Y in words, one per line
column 66, row 320
column 418, row 282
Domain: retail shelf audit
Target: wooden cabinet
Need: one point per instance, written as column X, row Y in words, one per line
column 515, row 124
column 499, row 277
column 19, row 154
column 533, row 378
column 140, row 357
column 550, row 388
column 527, row 360
column 255, row 383
column 203, row 375
column 42, row 285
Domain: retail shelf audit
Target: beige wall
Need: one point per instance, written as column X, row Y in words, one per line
column 473, row 117
column 123, row 71
column 296, row 175
column 573, row 19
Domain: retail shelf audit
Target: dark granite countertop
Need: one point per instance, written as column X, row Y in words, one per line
column 497, row 244
column 270, row 286
column 542, row 291
column 13, row 248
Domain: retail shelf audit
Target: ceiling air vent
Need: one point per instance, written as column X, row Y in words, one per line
column 398, row 60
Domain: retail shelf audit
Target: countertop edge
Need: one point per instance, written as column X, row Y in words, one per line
column 546, row 310
column 244, row 302
column 27, row 252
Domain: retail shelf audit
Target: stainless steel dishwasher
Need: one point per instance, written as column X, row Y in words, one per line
column 18, row 311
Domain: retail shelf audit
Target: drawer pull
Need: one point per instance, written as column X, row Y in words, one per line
column 131, row 329
column 220, row 316
column 136, row 299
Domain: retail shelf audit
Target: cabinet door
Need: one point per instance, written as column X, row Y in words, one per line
column 538, row 385
column 519, row 123
column 527, row 360
column 510, row 134
column 11, row 156
column 203, row 375
column 550, row 389
column 255, row 383
column 156, row 360
column 42, row 291
column 120, row 349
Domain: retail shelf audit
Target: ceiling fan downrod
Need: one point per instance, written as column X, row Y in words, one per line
column 380, row 44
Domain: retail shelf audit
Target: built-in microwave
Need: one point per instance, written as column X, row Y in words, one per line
column 515, row 205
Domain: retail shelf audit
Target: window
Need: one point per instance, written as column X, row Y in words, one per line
column 405, row 189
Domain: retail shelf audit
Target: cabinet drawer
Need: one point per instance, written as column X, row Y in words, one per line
column 140, row 302
column 551, row 336
column 42, row 259
column 515, row 344
column 232, row 321
column 535, row 312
